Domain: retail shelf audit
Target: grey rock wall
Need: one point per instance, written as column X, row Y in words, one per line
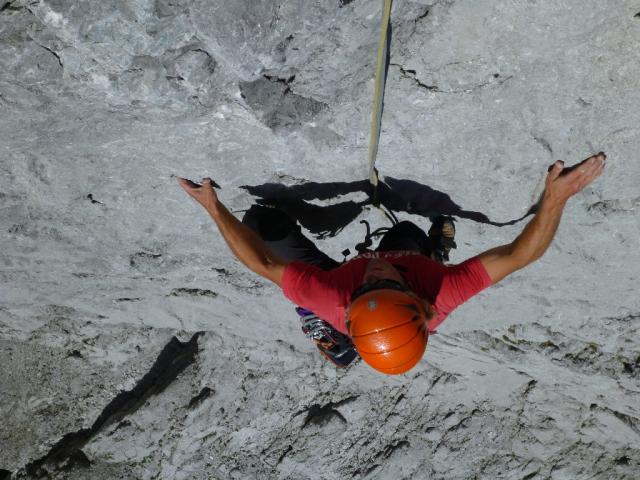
column 132, row 345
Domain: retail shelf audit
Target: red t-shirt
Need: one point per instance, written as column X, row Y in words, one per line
column 328, row 292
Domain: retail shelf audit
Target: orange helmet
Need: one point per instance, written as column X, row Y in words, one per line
column 388, row 327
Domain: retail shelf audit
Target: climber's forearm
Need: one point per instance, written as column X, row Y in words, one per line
column 536, row 237
column 561, row 184
column 247, row 247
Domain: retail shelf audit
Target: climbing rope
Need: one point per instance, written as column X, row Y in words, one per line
column 378, row 96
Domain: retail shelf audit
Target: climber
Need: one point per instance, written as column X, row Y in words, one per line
column 388, row 301
column 284, row 238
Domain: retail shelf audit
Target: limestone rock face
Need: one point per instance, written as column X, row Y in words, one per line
column 132, row 343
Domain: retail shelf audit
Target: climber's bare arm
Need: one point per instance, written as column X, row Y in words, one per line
column 561, row 184
column 244, row 243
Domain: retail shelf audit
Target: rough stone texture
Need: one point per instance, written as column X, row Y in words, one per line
column 133, row 346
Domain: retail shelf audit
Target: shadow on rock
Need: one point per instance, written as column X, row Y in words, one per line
column 394, row 194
